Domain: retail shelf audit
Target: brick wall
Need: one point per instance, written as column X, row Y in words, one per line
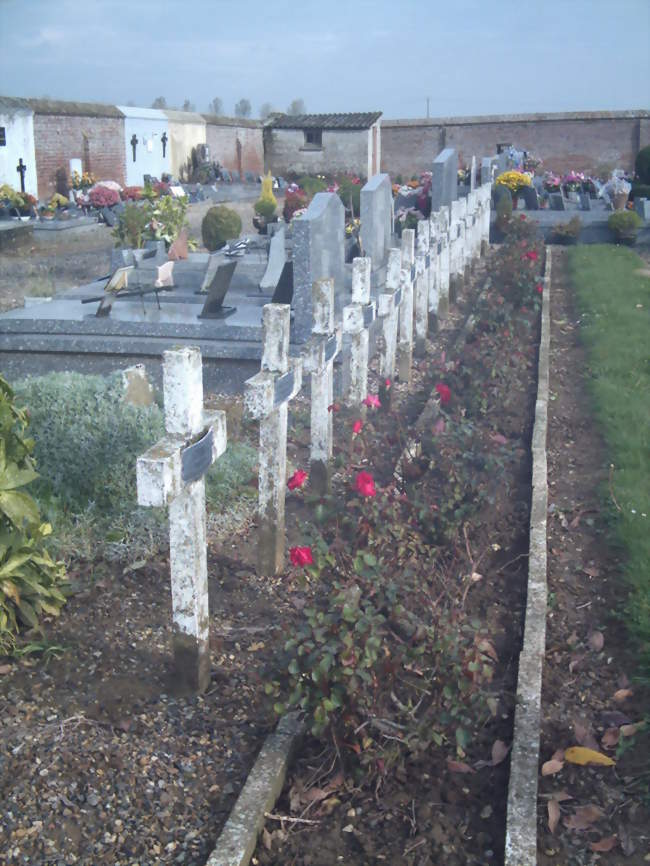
column 222, row 141
column 586, row 141
column 97, row 141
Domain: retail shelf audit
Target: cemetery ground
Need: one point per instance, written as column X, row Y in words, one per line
column 60, row 260
column 102, row 763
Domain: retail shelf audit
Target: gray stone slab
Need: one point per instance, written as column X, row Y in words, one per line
column 585, row 201
column 530, row 198
column 376, row 219
column 275, row 264
column 318, row 253
column 556, row 200
column 642, row 207
column 444, row 180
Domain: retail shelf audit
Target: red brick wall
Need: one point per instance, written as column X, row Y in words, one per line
column 98, row 141
column 222, row 141
column 583, row 144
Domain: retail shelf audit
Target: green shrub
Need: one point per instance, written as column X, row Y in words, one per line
column 88, row 439
column 640, row 190
column 642, row 165
column 624, row 224
column 312, row 185
column 220, row 224
column 350, row 193
column 265, row 208
column 30, row 581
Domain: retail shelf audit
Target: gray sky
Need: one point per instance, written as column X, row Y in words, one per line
column 468, row 56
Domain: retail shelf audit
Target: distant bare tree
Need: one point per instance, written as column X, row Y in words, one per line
column 297, row 106
column 159, row 102
column 243, row 108
column 265, row 109
column 188, row 106
column 216, row 106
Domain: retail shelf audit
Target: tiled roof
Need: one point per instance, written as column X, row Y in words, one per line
column 11, row 104
column 362, row 120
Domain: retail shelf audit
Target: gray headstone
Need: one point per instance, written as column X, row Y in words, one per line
column 277, row 258
column 472, row 175
column 486, row 169
column 502, row 162
column 585, row 201
column 161, row 251
column 530, row 198
column 121, row 258
column 376, row 219
column 556, row 200
column 444, row 181
column 642, row 207
column 318, row 253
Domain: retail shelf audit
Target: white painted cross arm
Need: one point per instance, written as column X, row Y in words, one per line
column 171, row 463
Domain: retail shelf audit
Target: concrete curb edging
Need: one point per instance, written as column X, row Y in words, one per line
column 521, row 826
column 238, row 839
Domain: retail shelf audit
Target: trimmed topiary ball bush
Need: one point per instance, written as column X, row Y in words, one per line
column 220, row 224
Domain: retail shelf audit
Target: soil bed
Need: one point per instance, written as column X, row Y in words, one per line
column 587, row 694
column 362, row 800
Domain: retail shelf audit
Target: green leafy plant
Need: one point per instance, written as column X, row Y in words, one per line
column 131, row 228
column 167, row 219
column 220, row 224
column 642, row 164
column 625, row 225
column 30, row 580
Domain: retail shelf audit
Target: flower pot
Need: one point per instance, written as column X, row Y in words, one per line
column 619, row 200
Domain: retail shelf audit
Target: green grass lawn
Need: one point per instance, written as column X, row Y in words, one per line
column 614, row 300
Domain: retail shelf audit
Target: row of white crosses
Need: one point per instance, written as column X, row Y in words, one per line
column 172, row 472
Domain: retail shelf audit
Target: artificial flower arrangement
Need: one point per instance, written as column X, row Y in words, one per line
column 513, row 180
column 573, row 181
column 82, row 181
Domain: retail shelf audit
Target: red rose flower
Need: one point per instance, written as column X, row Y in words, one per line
column 357, row 427
column 334, row 407
column 523, row 216
column 539, row 288
column 372, row 400
column 365, row 484
column 297, row 480
column 445, row 393
column 387, row 383
column 531, row 255
column 301, row 556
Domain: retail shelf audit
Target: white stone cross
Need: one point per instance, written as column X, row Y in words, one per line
column 443, row 262
column 171, row 473
column 318, row 360
column 421, row 301
column 407, row 276
column 388, row 311
column 266, row 399
column 357, row 318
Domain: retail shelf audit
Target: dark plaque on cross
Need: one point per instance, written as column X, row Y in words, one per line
column 134, row 144
column 21, row 168
column 164, row 140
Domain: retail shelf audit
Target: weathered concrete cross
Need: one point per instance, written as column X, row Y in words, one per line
column 407, row 277
column 319, row 357
column 388, row 311
column 357, row 318
column 172, row 473
column 267, row 398
column 421, row 303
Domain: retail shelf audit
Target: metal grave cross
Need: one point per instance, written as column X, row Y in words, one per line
column 318, row 359
column 266, row 399
column 163, row 141
column 21, row 168
column 172, row 473
column 134, row 144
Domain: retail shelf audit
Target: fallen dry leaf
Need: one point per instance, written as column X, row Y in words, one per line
column 485, row 646
column 553, row 815
column 596, row 641
column 622, row 695
column 605, row 844
column 610, row 738
column 558, row 755
column 591, row 571
column 574, row 664
column 631, row 730
column 499, row 752
column 459, row 767
column 255, row 647
column 583, row 817
column 5, row 669
column 582, row 756
column 551, row 767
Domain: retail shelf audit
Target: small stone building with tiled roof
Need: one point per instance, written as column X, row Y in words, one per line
column 320, row 143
